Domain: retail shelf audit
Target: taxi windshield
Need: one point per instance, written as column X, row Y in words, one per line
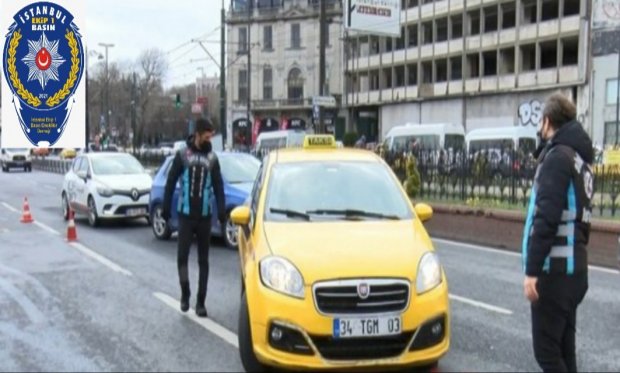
column 334, row 190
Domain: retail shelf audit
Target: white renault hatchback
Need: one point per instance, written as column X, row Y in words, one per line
column 106, row 186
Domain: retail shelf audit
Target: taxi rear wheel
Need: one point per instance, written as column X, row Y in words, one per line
column 246, row 348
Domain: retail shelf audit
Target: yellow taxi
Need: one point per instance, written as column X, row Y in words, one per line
column 338, row 271
column 68, row 153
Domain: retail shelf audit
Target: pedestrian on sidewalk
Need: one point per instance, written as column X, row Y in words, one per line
column 555, row 237
column 201, row 177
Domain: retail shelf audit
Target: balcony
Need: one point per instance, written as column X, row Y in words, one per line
column 287, row 103
column 274, row 10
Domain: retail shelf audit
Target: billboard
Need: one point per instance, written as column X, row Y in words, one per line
column 43, row 96
column 380, row 17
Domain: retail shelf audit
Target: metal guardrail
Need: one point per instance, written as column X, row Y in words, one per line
column 57, row 166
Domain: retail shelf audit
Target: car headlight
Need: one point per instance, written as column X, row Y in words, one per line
column 104, row 191
column 281, row 275
column 429, row 273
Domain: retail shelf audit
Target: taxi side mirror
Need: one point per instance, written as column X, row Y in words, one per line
column 424, row 212
column 240, row 215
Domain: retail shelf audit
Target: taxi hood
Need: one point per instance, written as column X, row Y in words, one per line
column 346, row 249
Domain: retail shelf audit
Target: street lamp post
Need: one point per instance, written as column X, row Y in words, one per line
column 107, row 82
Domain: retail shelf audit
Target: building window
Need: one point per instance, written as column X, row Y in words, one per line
column 509, row 16
column 242, row 94
column 400, row 42
column 489, row 63
column 550, row 10
column 413, row 36
column 399, row 76
column 427, row 32
column 268, row 37
column 243, row 40
column 548, row 54
column 490, row 19
column 612, row 92
column 295, row 36
column 456, row 72
column 507, row 61
column 295, row 85
column 387, row 78
column 611, row 133
column 529, row 15
column 528, row 57
column 441, row 30
column 374, row 80
column 457, row 27
column 571, row 7
column 474, row 22
column 441, row 70
column 570, row 51
column 267, row 83
column 412, row 74
column 473, row 65
column 427, row 72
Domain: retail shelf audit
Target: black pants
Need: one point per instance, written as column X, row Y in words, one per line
column 187, row 229
column 554, row 320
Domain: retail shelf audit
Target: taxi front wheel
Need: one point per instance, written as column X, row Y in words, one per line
column 246, row 349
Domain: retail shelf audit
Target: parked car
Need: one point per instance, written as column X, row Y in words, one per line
column 106, row 186
column 238, row 171
column 15, row 158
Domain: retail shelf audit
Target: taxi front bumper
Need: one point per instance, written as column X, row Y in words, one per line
column 306, row 335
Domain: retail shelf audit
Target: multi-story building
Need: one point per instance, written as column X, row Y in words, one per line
column 482, row 63
column 605, row 71
column 282, row 39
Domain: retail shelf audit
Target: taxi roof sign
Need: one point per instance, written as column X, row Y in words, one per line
column 319, row 142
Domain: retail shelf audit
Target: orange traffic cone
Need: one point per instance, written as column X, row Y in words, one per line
column 26, row 216
column 71, row 232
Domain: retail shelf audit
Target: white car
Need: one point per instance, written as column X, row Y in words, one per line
column 106, row 186
column 16, row 158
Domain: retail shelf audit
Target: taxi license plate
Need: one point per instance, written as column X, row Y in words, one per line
column 367, row 326
column 136, row 212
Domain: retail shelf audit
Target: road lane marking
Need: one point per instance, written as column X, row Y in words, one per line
column 33, row 313
column 478, row 304
column 9, row 207
column 511, row 253
column 213, row 327
column 46, row 228
column 103, row 260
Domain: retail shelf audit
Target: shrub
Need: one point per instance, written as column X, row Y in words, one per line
column 412, row 183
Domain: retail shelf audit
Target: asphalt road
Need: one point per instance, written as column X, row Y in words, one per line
column 108, row 303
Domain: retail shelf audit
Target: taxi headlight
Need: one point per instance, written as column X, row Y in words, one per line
column 429, row 273
column 104, row 191
column 281, row 275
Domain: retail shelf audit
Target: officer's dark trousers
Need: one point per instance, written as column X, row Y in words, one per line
column 554, row 319
column 187, row 229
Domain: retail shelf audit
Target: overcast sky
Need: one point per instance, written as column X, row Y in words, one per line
column 135, row 25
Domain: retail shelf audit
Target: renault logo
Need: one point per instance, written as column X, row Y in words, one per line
column 363, row 290
column 135, row 194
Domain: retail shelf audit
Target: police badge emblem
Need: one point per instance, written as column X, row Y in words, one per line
column 43, row 63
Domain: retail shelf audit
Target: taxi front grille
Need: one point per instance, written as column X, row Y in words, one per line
column 19, row 158
column 362, row 348
column 343, row 297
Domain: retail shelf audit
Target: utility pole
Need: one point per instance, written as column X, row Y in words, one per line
column 322, row 23
column 249, row 48
column 223, row 122
column 618, row 100
column 107, row 83
column 87, row 132
column 134, row 138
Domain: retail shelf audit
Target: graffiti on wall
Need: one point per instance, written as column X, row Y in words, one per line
column 606, row 13
column 531, row 113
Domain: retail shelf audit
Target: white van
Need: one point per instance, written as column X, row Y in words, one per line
column 502, row 138
column 425, row 136
column 268, row 141
column 15, row 158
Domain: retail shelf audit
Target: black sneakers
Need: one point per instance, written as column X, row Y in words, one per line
column 201, row 311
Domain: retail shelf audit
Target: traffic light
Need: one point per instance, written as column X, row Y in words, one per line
column 177, row 102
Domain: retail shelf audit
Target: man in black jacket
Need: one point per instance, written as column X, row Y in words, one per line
column 556, row 234
column 199, row 170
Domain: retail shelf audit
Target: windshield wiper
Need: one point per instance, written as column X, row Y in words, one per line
column 353, row 214
column 290, row 213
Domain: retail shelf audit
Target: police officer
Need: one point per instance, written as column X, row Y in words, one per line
column 556, row 235
column 199, row 170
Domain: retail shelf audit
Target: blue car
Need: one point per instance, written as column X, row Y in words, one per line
column 238, row 171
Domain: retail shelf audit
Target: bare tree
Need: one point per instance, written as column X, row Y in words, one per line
column 152, row 66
